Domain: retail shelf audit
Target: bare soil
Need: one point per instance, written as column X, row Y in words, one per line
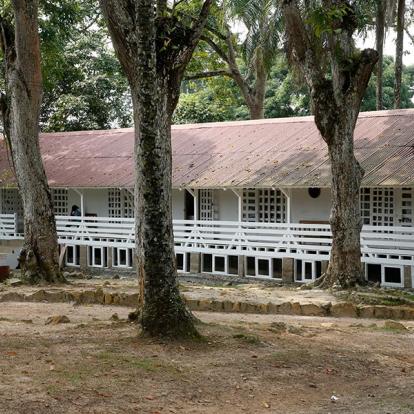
column 244, row 364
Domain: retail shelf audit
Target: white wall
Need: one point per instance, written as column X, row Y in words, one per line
column 178, row 205
column 95, row 201
column 304, row 207
column 227, row 207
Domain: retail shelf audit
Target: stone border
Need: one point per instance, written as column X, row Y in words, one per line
column 100, row 297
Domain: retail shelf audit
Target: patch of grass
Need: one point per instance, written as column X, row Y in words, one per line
column 135, row 362
column 74, row 377
column 386, row 329
column 250, row 339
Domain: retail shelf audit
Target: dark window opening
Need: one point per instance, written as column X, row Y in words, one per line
column 318, row 269
column 374, row 273
column 122, row 257
column 392, row 275
column 233, row 265
column 308, row 270
column 277, row 268
column 207, row 263
column 70, row 254
column 219, row 264
column 263, row 265
column 298, row 265
column 250, row 266
column 98, row 256
column 180, row 261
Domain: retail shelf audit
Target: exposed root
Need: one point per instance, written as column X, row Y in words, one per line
column 35, row 271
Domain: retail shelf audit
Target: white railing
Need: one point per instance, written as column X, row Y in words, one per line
column 380, row 245
column 8, row 227
column 305, row 241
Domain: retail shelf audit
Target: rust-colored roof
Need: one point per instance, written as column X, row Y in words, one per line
column 285, row 152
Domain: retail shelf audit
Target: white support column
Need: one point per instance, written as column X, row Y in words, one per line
column 239, row 195
column 287, row 194
column 82, row 201
column 194, row 193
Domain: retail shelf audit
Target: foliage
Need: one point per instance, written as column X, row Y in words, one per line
column 83, row 85
column 407, row 87
column 219, row 99
column 210, row 100
column 85, row 88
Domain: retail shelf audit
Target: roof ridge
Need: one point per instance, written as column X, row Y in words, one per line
column 266, row 121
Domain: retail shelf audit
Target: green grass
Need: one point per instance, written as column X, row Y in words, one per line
column 250, row 339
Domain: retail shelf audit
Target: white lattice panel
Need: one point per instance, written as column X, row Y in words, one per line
column 206, row 202
column 11, row 202
column 365, row 197
column 60, row 201
column 114, row 202
column 383, row 207
column 128, row 204
column 249, row 205
column 407, row 206
column 378, row 206
column 264, row 206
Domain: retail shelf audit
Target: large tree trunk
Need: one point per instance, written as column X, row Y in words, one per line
column 380, row 31
column 336, row 102
column 39, row 257
column 399, row 53
column 161, row 310
column 345, row 267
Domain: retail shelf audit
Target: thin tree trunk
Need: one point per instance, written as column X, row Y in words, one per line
column 39, row 257
column 257, row 94
column 399, row 53
column 380, row 32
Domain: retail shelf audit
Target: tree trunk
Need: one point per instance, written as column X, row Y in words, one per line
column 399, row 53
column 345, row 267
column 161, row 309
column 380, row 31
column 256, row 111
column 39, row 258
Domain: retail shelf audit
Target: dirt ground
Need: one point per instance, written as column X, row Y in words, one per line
column 244, row 364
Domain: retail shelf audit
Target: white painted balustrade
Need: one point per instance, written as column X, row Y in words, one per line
column 380, row 245
column 8, row 227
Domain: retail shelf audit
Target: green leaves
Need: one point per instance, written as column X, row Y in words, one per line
column 326, row 20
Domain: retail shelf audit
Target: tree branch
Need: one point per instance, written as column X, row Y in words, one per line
column 215, row 47
column 300, row 49
column 209, row 74
column 197, row 28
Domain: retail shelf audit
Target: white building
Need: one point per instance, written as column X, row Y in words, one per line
column 249, row 198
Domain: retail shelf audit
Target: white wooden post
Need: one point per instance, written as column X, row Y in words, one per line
column 82, row 201
column 287, row 194
column 239, row 203
column 194, row 193
column 15, row 224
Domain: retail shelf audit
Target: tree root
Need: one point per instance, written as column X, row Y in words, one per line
column 35, row 272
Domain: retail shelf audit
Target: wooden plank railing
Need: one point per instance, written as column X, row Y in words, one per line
column 8, row 227
column 382, row 245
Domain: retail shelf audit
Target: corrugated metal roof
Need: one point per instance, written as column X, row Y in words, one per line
column 285, row 152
